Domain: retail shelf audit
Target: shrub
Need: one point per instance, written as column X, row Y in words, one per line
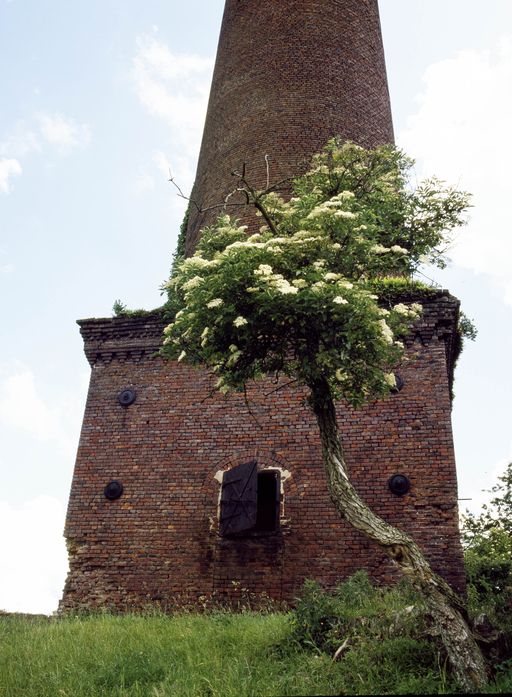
column 487, row 540
column 356, row 610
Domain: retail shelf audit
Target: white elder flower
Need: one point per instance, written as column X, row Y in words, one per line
column 263, row 270
column 233, row 358
column 401, row 309
column 336, row 245
column 345, row 284
column 321, row 169
column 348, row 215
column 379, row 249
column 216, row 302
column 318, row 286
column 205, row 332
column 182, row 356
column 398, row 250
column 340, row 301
column 383, row 312
column 331, row 276
column 319, row 264
column 254, row 238
column 386, row 331
column 340, row 375
column 195, row 262
column 179, row 314
column 390, row 379
column 274, row 250
column 233, row 348
column 241, row 244
column 285, row 288
column 417, row 308
column 239, row 321
column 253, row 290
column 193, row 283
column 168, row 329
column 300, row 283
column 303, row 240
column 318, row 211
column 167, row 340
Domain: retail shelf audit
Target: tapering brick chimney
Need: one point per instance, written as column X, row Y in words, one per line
column 289, row 75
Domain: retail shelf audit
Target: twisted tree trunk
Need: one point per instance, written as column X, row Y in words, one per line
column 443, row 603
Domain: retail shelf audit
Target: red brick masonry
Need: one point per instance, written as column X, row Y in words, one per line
column 159, row 542
column 289, row 75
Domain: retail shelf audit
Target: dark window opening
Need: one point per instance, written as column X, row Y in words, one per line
column 250, row 501
column 267, row 511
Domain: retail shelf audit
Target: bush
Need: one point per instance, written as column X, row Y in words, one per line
column 387, row 644
column 487, row 540
column 355, row 610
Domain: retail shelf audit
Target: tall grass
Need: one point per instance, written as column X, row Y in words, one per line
column 221, row 654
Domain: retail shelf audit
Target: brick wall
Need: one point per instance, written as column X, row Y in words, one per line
column 159, row 542
column 289, row 76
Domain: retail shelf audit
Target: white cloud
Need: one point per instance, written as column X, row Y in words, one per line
column 8, row 168
column 63, row 132
column 20, row 142
column 173, row 87
column 33, row 555
column 22, row 409
column 461, row 132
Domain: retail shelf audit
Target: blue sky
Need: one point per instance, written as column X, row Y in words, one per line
column 98, row 100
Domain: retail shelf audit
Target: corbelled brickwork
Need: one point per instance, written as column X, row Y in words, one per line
column 160, row 543
column 289, row 76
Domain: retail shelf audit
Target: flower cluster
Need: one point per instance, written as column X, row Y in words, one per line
column 299, row 296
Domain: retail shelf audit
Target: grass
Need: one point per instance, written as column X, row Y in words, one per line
column 219, row 654
column 222, row 654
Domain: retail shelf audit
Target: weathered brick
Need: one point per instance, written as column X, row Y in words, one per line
column 159, row 542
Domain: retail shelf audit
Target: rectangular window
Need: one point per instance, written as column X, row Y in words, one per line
column 250, row 501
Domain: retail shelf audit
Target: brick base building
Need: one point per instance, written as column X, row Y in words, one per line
column 180, row 493
column 160, row 542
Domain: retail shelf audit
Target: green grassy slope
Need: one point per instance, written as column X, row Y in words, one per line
column 388, row 649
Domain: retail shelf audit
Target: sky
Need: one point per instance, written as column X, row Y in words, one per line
column 98, row 100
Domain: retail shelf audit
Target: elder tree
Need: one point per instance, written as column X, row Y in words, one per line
column 304, row 298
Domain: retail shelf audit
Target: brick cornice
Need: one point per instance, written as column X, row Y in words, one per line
column 139, row 337
column 122, row 338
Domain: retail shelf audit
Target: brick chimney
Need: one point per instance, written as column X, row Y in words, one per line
column 289, row 75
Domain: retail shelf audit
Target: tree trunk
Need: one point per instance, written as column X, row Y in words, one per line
column 445, row 606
